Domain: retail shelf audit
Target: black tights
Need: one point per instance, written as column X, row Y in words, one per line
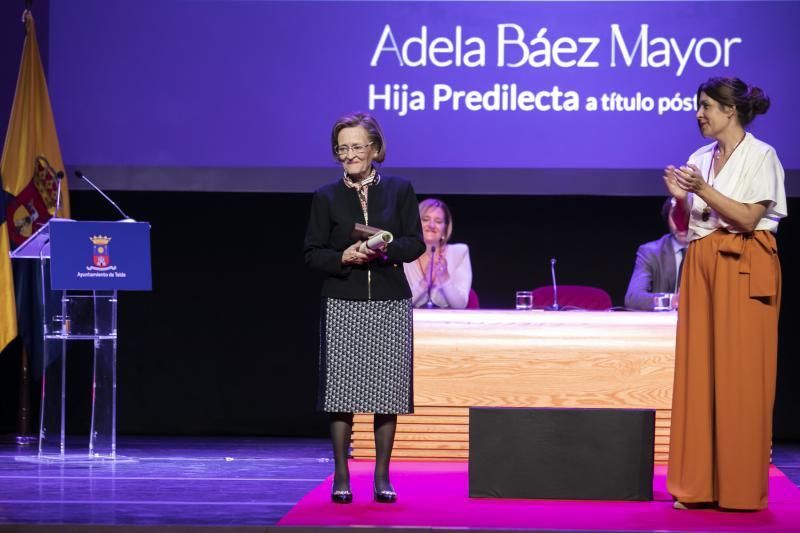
column 342, row 429
column 384, row 427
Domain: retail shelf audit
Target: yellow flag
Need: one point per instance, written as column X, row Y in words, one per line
column 30, row 163
column 8, row 311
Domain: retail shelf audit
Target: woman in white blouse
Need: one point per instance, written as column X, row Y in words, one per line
column 732, row 194
column 449, row 278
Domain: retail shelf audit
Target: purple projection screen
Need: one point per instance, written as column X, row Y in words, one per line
column 474, row 97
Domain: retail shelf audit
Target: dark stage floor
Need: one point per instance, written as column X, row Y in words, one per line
column 167, row 480
column 182, row 481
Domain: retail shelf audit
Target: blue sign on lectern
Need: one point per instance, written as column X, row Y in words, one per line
column 100, row 255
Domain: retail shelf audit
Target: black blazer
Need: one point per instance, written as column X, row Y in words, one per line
column 393, row 207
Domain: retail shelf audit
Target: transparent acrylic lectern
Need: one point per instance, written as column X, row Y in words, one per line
column 74, row 315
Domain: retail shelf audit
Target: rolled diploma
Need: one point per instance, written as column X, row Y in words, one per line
column 374, row 242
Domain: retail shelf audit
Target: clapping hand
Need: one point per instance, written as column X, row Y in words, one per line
column 440, row 272
column 689, row 178
column 672, row 183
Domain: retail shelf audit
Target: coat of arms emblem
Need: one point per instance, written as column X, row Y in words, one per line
column 101, row 258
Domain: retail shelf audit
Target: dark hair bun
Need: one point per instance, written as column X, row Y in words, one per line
column 759, row 101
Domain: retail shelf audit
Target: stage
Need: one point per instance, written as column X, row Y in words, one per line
column 192, row 484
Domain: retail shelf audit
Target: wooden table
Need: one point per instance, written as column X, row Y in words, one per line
column 528, row 359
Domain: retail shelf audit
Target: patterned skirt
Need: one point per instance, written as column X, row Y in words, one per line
column 366, row 356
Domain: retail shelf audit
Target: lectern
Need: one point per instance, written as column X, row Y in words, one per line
column 83, row 265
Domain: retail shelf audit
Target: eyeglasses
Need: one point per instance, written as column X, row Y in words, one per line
column 358, row 149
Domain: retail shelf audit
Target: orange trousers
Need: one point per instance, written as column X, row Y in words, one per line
column 725, row 370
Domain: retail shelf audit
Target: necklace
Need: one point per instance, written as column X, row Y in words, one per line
column 717, row 156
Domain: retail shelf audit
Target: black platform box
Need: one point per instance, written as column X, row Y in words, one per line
column 565, row 454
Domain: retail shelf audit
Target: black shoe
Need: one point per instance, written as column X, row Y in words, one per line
column 341, row 496
column 385, row 496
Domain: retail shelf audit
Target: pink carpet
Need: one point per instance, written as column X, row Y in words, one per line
column 435, row 495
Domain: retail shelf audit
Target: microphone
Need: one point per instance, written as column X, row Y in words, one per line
column 42, row 160
column 60, row 178
column 555, row 306
column 125, row 218
column 429, row 304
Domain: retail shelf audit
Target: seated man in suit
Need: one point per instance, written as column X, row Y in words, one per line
column 658, row 265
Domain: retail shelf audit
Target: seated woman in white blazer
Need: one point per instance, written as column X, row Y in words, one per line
column 450, row 277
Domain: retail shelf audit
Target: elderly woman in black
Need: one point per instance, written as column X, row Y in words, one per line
column 366, row 343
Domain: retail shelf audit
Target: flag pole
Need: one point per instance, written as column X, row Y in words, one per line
column 24, row 436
